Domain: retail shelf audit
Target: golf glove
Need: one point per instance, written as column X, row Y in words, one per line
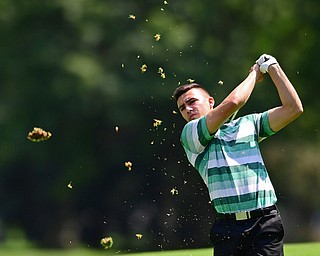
column 265, row 61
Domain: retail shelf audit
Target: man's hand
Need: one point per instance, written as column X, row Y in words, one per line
column 265, row 61
column 256, row 68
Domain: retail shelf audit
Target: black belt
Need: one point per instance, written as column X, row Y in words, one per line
column 248, row 215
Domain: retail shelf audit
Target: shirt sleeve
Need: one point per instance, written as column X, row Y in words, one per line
column 195, row 135
column 265, row 129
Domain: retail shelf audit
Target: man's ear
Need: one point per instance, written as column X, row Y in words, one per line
column 211, row 102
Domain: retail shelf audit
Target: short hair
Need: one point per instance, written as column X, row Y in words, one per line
column 186, row 87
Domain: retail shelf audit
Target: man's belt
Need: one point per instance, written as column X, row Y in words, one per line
column 248, row 215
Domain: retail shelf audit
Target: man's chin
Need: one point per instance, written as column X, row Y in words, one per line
column 193, row 117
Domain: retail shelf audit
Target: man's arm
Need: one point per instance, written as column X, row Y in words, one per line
column 234, row 101
column 291, row 106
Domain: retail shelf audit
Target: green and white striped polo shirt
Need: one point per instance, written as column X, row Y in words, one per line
column 230, row 162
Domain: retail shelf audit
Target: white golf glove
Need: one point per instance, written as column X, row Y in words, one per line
column 265, row 61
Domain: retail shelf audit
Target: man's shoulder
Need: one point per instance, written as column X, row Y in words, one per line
column 252, row 118
column 242, row 121
column 195, row 135
column 193, row 125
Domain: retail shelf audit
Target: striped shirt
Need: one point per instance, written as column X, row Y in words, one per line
column 230, row 162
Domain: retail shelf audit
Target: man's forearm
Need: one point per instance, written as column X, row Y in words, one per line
column 288, row 95
column 291, row 106
column 242, row 92
column 233, row 102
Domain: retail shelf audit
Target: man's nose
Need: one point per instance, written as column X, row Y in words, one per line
column 188, row 108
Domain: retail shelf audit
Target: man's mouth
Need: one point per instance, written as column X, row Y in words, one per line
column 192, row 116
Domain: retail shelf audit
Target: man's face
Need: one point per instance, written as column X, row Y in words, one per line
column 194, row 104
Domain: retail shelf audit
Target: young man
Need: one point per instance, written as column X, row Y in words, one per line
column 226, row 154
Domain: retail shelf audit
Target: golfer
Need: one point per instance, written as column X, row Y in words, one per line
column 226, row 154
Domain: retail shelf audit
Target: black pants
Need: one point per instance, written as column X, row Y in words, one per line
column 257, row 236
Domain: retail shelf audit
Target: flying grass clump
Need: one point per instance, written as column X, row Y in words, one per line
column 139, row 236
column 38, row 134
column 70, row 185
column 106, row 242
column 161, row 72
column 157, row 37
column 133, row 17
column 128, row 165
column 144, row 68
column 156, row 122
column 174, row 191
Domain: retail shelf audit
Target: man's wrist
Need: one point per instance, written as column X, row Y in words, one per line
column 265, row 61
column 273, row 68
column 254, row 74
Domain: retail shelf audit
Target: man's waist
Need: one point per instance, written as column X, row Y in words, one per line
column 254, row 214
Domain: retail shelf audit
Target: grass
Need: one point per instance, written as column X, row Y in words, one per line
column 305, row 249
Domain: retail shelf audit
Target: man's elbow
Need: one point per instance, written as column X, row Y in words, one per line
column 237, row 103
column 297, row 110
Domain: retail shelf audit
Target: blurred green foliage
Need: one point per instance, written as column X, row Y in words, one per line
column 72, row 67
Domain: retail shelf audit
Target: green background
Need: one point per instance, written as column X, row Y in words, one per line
column 72, row 67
